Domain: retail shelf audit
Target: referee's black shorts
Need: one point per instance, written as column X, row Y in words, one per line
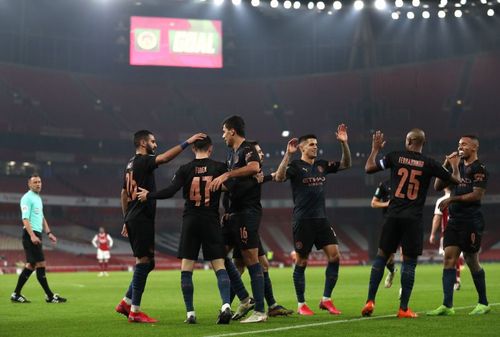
column 141, row 234
column 201, row 231
column 34, row 253
column 407, row 232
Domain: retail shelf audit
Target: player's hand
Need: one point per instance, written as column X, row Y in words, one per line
column 124, row 231
column 432, row 239
column 142, row 195
column 453, row 158
column 341, row 133
column 35, row 240
column 217, row 182
column 444, row 204
column 292, row 146
column 196, row 137
column 378, row 141
column 259, row 177
column 52, row 238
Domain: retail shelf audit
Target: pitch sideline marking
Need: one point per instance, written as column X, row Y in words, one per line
column 293, row 327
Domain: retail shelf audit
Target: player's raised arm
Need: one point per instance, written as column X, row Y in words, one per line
column 170, row 154
column 291, row 148
column 378, row 143
column 341, row 134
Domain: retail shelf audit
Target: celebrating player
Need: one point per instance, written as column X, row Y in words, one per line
column 465, row 226
column 139, row 217
column 245, row 211
column 274, row 309
column 310, row 224
column 411, row 174
column 200, row 226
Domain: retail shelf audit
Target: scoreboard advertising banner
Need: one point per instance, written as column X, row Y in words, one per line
column 175, row 42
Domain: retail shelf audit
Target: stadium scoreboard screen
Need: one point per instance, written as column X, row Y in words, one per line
column 175, row 42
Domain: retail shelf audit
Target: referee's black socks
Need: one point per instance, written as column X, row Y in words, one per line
column 23, row 278
column 42, row 279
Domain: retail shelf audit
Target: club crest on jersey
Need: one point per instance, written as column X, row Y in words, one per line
column 479, row 177
column 321, row 169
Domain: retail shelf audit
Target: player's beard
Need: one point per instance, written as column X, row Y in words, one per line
column 150, row 150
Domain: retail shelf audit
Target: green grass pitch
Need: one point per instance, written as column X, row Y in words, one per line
column 91, row 302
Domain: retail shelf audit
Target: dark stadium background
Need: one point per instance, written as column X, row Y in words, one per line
column 70, row 102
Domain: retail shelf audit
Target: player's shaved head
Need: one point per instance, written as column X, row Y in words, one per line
column 417, row 136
